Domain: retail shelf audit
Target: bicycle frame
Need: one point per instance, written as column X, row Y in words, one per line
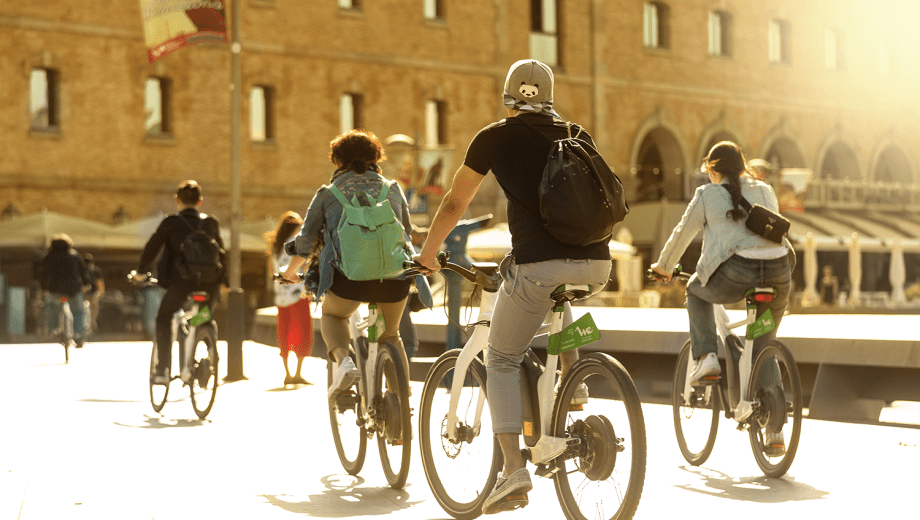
column 743, row 408
column 374, row 326
column 181, row 323
column 547, row 447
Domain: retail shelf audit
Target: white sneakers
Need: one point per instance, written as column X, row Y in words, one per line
column 345, row 376
column 706, row 366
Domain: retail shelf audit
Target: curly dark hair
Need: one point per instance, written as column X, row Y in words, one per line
column 727, row 158
column 356, row 150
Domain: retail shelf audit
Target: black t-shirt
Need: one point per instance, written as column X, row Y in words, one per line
column 516, row 155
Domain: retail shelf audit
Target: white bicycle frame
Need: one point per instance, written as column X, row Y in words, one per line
column 186, row 347
column 358, row 325
column 547, row 447
column 724, row 328
column 65, row 320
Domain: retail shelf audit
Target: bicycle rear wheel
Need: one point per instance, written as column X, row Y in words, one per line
column 776, row 386
column 460, row 474
column 204, row 369
column 601, row 476
column 393, row 415
column 349, row 435
column 696, row 415
column 158, row 392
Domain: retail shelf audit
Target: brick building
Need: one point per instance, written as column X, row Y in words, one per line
column 90, row 129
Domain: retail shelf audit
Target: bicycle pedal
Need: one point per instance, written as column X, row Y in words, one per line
column 511, row 502
column 576, row 407
column 708, row 380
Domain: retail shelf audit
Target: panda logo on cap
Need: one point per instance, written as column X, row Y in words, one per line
column 529, row 91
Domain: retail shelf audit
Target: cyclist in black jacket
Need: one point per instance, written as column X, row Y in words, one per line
column 168, row 238
column 64, row 274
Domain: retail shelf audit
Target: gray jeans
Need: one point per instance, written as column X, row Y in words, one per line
column 523, row 304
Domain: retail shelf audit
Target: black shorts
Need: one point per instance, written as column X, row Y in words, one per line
column 373, row 291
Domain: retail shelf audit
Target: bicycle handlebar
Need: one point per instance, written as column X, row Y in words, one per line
column 149, row 281
column 678, row 275
column 485, row 275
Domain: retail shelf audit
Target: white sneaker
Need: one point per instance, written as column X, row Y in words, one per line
column 706, row 366
column 345, row 376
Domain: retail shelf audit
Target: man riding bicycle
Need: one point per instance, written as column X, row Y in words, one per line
column 537, row 264
column 64, row 274
column 170, row 237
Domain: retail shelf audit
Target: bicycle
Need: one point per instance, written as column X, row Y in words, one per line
column 378, row 403
column 593, row 459
column 760, row 391
column 199, row 362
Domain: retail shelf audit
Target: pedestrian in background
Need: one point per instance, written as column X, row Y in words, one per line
column 96, row 289
column 294, row 322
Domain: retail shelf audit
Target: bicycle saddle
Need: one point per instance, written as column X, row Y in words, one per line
column 568, row 293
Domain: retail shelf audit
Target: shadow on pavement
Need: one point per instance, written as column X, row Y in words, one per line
column 343, row 498
column 762, row 489
column 158, row 423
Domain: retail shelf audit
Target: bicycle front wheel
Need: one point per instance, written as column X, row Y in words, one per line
column 204, row 367
column 696, row 412
column 602, row 475
column 461, row 473
column 393, row 415
column 348, row 430
column 158, row 392
column 775, row 385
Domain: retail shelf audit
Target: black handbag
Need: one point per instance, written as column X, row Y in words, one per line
column 764, row 222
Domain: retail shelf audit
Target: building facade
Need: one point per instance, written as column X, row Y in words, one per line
column 91, row 129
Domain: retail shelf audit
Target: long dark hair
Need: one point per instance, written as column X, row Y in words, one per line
column 727, row 158
column 357, row 151
column 289, row 223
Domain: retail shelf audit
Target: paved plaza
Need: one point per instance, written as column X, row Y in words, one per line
column 80, row 441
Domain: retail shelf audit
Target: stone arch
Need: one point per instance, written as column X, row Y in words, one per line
column 658, row 162
column 837, row 159
column 781, row 149
column 891, row 164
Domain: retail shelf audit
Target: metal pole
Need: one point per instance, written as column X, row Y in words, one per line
column 236, row 311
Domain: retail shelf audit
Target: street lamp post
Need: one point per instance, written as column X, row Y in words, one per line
column 236, row 310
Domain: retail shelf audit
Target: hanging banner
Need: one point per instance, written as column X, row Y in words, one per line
column 172, row 24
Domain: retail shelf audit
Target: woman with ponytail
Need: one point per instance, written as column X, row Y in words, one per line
column 733, row 259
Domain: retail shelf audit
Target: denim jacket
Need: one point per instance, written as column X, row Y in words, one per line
column 324, row 215
column 722, row 236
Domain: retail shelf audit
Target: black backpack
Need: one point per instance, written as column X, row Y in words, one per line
column 199, row 256
column 581, row 199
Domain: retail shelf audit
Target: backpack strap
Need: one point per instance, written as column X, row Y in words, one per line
column 338, row 194
column 384, row 192
column 744, row 202
column 200, row 222
column 568, row 127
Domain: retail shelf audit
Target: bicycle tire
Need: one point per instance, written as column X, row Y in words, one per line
column 478, row 458
column 594, row 468
column 702, row 399
column 760, row 420
column 204, row 369
column 158, row 392
column 343, row 417
column 394, row 415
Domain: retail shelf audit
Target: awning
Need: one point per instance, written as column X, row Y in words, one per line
column 35, row 231
column 651, row 223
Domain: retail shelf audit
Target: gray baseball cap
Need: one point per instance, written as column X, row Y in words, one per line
column 530, row 82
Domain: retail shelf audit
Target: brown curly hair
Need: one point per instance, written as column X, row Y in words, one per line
column 356, row 150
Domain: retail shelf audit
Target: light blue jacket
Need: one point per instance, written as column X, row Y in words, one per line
column 325, row 212
column 722, row 236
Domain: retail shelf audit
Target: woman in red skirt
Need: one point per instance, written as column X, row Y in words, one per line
column 295, row 324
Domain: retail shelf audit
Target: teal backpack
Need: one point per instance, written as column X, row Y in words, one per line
column 371, row 238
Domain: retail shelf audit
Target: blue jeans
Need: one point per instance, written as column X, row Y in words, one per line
column 523, row 303
column 75, row 301
column 732, row 279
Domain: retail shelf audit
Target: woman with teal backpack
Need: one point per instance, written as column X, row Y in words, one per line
column 357, row 191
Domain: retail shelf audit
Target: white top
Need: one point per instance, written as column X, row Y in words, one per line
column 285, row 295
column 763, row 253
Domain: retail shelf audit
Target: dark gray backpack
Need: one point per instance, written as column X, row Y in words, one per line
column 199, row 256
